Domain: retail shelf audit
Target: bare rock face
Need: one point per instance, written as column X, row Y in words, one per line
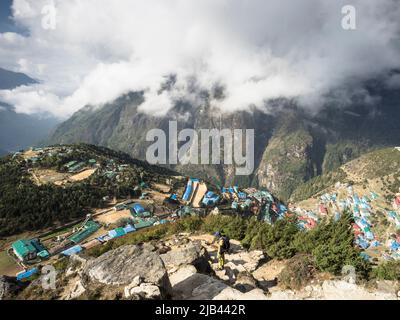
column 145, row 291
column 213, row 289
column 190, row 254
column 9, row 287
column 77, row 290
column 121, row 266
column 342, row 290
column 332, row 290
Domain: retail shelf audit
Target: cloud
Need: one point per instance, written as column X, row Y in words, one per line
column 255, row 50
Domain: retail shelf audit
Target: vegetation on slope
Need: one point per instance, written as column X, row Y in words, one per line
column 317, row 184
column 377, row 164
column 330, row 245
column 25, row 206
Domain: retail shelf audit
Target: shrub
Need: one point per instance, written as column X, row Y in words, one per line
column 61, row 264
column 190, row 224
column 298, row 272
column 387, row 271
column 332, row 246
column 276, row 240
column 123, row 222
column 234, row 227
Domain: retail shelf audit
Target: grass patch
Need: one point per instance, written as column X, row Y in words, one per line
column 6, row 263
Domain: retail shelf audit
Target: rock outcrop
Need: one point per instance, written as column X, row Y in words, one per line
column 9, row 287
column 121, row 266
column 182, row 268
column 192, row 253
column 332, row 290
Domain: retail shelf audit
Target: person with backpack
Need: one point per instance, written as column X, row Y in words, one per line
column 223, row 247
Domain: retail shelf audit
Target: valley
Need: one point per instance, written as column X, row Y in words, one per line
column 137, row 203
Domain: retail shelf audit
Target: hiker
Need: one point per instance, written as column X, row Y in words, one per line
column 223, row 247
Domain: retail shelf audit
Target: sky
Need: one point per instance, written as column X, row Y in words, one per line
column 254, row 51
column 6, row 23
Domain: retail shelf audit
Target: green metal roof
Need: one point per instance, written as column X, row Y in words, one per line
column 144, row 224
column 89, row 228
column 23, row 247
column 77, row 166
column 71, row 163
column 37, row 245
column 44, row 254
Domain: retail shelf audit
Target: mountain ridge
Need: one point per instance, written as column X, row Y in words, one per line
column 291, row 145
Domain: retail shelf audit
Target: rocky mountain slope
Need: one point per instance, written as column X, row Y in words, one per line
column 377, row 171
column 291, row 146
column 182, row 267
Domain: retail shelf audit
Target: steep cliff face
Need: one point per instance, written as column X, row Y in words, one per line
column 291, row 146
column 287, row 160
column 119, row 125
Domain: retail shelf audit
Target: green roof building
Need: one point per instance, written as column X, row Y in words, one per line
column 88, row 229
column 76, row 167
column 44, row 254
column 70, row 164
column 141, row 224
column 26, row 250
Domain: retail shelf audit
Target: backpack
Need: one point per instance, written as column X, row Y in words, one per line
column 226, row 244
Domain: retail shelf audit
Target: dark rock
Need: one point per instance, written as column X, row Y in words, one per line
column 9, row 287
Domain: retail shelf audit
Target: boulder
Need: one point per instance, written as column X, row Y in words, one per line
column 213, row 289
column 388, row 286
column 232, row 294
column 182, row 274
column 9, row 287
column 331, row 290
column 77, row 290
column 145, row 291
column 191, row 254
column 208, row 288
column 342, row 290
column 245, row 282
column 267, row 274
column 121, row 266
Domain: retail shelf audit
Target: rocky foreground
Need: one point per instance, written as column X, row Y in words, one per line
column 183, row 268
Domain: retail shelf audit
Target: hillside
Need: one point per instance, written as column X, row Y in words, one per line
column 369, row 188
column 38, row 191
column 377, row 171
column 90, row 211
column 291, row 146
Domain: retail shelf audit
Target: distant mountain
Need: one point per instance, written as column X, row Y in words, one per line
column 291, row 146
column 10, row 79
column 20, row 131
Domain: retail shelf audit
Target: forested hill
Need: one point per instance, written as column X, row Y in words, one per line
column 38, row 188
